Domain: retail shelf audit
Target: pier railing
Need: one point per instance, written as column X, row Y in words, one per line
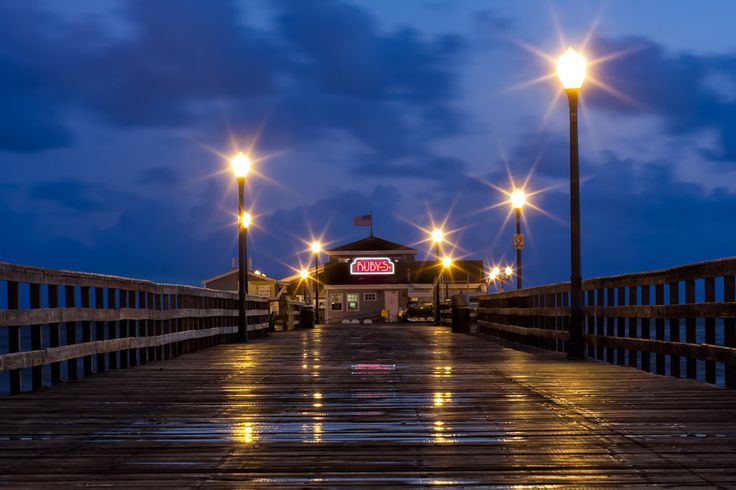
column 60, row 325
column 677, row 322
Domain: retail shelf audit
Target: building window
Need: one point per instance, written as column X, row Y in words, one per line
column 352, row 301
column 336, row 301
column 370, row 296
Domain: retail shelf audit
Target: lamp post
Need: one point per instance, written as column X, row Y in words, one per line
column 316, row 248
column 241, row 166
column 501, row 275
column 437, row 236
column 518, row 199
column 571, row 68
column 304, row 273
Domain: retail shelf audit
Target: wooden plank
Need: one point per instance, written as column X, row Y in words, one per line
column 41, row 357
column 664, row 312
column 378, row 407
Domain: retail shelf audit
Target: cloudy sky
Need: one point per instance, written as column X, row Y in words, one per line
column 116, row 116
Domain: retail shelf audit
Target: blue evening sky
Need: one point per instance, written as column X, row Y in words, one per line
column 118, row 115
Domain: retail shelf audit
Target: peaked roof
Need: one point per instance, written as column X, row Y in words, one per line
column 369, row 244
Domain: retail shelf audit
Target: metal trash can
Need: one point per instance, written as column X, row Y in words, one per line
column 306, row 317
column 460, row 314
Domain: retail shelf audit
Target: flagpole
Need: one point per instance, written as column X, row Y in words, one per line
column 371, row 214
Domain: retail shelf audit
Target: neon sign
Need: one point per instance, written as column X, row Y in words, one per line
column 371, row 266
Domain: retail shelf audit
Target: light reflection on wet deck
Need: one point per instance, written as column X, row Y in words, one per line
column 370, row 406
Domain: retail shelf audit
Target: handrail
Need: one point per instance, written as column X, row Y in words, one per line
column 59, row 325
column 679, row 321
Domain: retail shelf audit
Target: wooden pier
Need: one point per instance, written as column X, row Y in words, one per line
column 370, row 406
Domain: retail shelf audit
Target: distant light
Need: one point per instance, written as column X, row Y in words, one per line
column 245, row 219
column 304, row 273
column 518, row 199
column 509, row 271
column 241, row 165
column 257, row 272
column 447, row 262
column 437, row 235
column 316, row 247
column 571, row 68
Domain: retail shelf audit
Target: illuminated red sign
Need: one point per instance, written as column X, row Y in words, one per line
column 371, row 266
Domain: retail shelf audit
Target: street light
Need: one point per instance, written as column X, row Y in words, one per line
column 304, row 273
column 571, row 68
column 241, row 166
column 437, row 237
column 518, row 199
column 316, row 249
column 501, row 275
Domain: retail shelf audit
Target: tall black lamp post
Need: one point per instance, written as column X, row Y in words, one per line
column 518, row 199
column 437, row 236
column 316, row 248
column 241, row 165
column 571, row 68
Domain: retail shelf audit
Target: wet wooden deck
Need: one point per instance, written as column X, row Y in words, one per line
column 370, row 406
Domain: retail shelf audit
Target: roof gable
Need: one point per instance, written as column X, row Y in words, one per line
column 370, row 244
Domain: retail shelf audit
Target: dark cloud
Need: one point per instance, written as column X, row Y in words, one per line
column 160, row 176
column 325, row 68
column 72, row 194
column 649, row 79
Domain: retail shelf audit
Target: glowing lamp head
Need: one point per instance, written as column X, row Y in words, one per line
column 446, row 262
column 257, row 272
column 241, row 165
column 316, row 247
column 437, row 235
column 304, row 273
column 571, row 68
column 245, row 219
column 518, row 199
column 508, row 271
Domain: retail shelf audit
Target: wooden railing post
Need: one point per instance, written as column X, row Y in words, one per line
column 710, row 328
column 100, row 327
column 674, row 328
column 36, row 341
column 54, row 333
column 13, row 337
column 112, row 358
column 633, row 326
column 690, row 329
column 646, row 333
column 729, row 329
column 70, row 300
column 86, row 332
column 659, row 330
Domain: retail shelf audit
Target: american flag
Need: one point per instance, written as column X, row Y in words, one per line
column 364, row 220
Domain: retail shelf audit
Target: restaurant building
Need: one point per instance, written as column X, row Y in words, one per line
column 373, row 278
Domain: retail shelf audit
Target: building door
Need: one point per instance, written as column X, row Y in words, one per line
column 391, row 299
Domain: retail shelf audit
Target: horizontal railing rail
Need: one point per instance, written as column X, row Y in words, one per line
column 678, row 322
column 60, row 325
